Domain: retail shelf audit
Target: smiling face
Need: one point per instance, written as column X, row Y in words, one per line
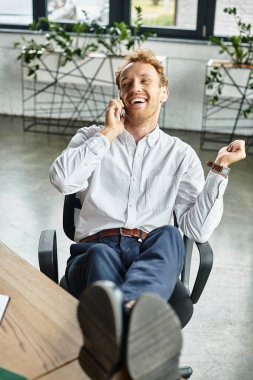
column 141, row 92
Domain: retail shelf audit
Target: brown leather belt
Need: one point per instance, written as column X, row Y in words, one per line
column 134, row 232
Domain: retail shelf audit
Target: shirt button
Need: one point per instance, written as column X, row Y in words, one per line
column 130, row 205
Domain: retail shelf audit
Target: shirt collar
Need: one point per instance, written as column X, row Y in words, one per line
column 125, row 137
column 151, row 138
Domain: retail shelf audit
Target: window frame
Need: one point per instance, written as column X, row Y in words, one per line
column 120, row 10
column 204, row 28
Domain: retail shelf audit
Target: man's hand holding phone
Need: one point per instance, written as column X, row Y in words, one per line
column 114, row 119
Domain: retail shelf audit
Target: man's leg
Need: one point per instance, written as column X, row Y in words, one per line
column 101, row 320
column 153, row 260
column 158, row 265
column 149, row 346
column 99, row 262
column 154, row 340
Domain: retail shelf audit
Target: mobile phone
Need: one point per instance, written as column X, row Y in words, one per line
column 122, row 113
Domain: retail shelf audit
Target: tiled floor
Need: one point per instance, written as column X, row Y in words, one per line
column 218, row 341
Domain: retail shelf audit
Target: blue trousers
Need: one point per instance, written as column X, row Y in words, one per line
column 152, row 265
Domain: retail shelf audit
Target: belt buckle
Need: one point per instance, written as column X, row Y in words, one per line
column 122, row 233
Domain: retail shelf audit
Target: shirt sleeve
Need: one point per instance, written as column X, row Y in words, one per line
column 199, row 203
column 70, row 172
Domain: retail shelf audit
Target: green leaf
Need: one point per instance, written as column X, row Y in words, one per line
column 230, row 10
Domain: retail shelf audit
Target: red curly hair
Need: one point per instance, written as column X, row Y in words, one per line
column 144, row 56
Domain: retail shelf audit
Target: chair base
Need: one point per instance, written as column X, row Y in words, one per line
column 185, row 372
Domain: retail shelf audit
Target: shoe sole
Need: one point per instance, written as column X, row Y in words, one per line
column 100, row 318
column 154, row 340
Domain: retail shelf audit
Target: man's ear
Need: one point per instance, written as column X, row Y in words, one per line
column 164, row 94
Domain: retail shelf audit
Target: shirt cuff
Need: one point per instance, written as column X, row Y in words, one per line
column 215, row 185
column 98, row 144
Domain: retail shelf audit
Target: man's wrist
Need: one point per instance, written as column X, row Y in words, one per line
column 219, row 169
column 221, row 162
column 110, row 133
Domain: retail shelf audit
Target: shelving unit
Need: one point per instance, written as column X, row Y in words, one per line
column 225, row 120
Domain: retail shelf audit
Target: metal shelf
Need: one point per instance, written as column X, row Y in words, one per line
column 224, row 120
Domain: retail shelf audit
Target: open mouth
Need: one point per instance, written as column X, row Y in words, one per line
column 138, row 101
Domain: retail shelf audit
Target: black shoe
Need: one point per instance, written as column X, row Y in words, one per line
column 154, row 340
column 100, row 318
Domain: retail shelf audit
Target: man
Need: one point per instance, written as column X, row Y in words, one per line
column 132, row 178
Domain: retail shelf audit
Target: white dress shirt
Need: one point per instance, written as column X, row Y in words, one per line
column 124, row 184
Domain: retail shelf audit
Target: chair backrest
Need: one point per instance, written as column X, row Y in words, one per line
column 71, row 211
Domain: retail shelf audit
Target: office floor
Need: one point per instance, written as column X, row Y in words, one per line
column 218, row 340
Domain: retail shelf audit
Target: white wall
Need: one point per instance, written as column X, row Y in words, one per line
column 186, row 72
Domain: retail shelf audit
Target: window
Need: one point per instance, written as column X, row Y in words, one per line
column 72, row 10
column 16, row 12
column 224, row 24
column 177, row 18
column 192, row 19
column 167, row 13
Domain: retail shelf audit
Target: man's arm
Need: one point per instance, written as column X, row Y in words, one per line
column 199, row 214
column 70, row 172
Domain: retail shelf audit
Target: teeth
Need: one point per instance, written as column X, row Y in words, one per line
column 138, row 100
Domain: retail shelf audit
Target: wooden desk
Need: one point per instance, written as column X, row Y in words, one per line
column 39, row 334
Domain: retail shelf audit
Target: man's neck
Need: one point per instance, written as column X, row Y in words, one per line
column 139, row 130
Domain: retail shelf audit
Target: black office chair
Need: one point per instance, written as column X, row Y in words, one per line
column 182, row 299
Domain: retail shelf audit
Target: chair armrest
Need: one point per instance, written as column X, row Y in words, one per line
column 205, row 267
column 47, row 253
column 185, row 275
